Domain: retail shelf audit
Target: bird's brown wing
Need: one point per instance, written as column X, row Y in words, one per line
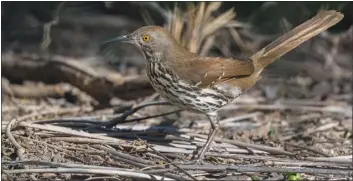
column 206, row 71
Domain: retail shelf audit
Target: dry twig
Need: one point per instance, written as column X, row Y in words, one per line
column 133, row 174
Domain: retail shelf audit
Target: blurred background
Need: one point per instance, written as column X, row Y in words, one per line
column 52, row 57
column 72, row 32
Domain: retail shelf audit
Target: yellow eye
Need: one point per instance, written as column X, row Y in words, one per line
column 146, row 38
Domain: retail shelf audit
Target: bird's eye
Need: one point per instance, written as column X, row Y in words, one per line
column 146, row 38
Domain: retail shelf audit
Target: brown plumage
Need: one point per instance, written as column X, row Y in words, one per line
column 205, row 84
column 205, row 71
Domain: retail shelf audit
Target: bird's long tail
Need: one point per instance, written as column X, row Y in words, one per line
column 319, row 23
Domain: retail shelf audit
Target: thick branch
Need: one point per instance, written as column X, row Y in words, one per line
column 101, row 85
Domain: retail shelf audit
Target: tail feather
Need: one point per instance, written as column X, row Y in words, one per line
column 319, row 23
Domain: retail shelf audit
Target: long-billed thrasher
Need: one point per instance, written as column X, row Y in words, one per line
column 205, row 84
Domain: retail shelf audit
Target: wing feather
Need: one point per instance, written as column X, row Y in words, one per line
column 206, row 71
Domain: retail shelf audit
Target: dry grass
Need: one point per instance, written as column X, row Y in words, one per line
column 197, row 27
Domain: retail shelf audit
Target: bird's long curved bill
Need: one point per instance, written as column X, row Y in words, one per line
column 124, row 38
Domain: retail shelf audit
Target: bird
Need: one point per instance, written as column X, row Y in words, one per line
column 205, row 84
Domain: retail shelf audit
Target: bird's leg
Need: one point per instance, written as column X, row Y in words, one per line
column 213, row 117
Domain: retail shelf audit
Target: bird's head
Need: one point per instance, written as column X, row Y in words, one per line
column 153, row 41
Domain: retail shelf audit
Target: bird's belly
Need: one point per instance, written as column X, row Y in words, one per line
column 188, row 96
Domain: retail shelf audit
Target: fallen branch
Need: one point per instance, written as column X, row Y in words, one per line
column 132, row 174
column 341, row 159
column 102, row 85
column 245, row 168
column 36, row 91
column 68, row 131
column 282, row 161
